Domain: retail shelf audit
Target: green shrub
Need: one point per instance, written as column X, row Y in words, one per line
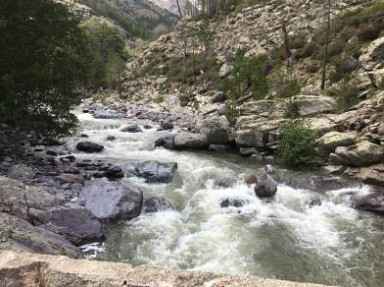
column 284, row 84
column 297, row 144
column 291, row 110
column 159, row 99
column 346, row 93
column 186, row 97
column 298, row 41
column 368, row 32
column 343, row 66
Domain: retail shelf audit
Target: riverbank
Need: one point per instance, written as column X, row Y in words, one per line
column 32, row 270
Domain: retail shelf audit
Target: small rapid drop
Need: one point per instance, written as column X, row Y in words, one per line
column 285, row 238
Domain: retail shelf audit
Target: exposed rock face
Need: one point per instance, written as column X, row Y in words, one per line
column 18, row 234
column 17, row 199
column 332, row 140
column 112, row 201
column 23, row 269
column 185, row 140
column 309, row 106
column 75, row 223
column 215, row 129
column 156, row 172
column 363, row 153
column 89, row 147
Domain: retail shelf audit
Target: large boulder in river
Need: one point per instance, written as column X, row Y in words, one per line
column 89, row 147
column 215, row 129
column 155, row 204
column 250, row 178
column 112, row 201
column 156, row 172
column 75, row 223
column 186, row 140
column 267, row 187
column 19, row 235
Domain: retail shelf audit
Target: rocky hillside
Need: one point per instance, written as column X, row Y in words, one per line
column 170, row 5
column 346, row 118
column 136, row 17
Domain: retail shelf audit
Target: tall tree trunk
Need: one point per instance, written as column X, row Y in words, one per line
column 184, row 37
column 287, row 49
column 326, row 45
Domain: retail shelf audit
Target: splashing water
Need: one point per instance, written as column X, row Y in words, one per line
column 285, row 238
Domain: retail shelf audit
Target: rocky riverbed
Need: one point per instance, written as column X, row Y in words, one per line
column 108, row 191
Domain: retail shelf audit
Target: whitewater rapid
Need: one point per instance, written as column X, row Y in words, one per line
column 285, row 238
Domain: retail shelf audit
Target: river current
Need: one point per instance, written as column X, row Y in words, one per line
column 285, row 238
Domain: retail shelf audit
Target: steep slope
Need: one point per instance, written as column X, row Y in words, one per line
column 346, row 117
column 134, row 13
column 170, row 5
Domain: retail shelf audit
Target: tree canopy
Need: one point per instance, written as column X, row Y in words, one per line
column 42, row 61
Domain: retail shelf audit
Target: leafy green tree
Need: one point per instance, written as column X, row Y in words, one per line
column 107, row 53
column 42, row 61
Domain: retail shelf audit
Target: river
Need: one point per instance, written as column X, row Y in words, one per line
column 285, row 238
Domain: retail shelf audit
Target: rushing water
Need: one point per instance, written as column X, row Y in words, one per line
column 285, row 238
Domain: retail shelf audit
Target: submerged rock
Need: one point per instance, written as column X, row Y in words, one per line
column 250, row 178
column 373, row 202
column 156, row 172
column 89, row 147
column 234, row 202
column 131, row 129
column 112, row 200
column 114, row 172
column 267, row 187
column 155, row 204
column 166, row 142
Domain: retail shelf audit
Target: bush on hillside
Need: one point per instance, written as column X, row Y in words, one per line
column 346, row 93
column 297, row 144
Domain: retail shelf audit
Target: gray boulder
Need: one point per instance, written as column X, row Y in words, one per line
column 156, row 172
column 267, row 187
column 186, row 140
column 17, row 199
column 89, row 147
column 112, row 201
column 215, row 129
column 20, row 235
column 75, row 223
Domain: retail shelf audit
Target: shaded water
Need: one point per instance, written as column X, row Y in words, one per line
column 286, row 239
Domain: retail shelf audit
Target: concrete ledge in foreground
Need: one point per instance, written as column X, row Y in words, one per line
column 35, row 270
